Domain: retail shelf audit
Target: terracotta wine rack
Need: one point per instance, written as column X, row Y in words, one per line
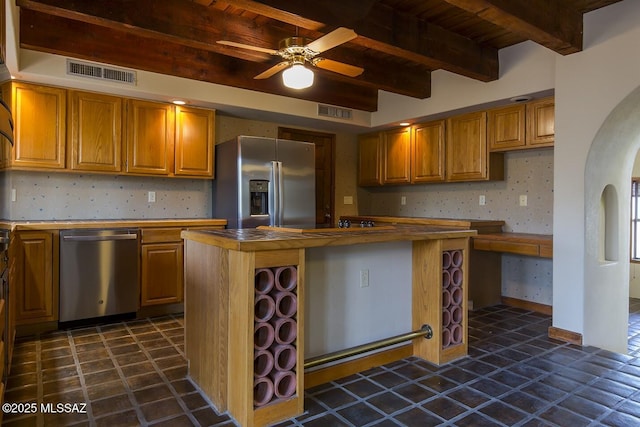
column 275, row 333
column 452, row 298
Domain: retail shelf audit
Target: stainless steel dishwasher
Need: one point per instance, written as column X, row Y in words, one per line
column 99, row 273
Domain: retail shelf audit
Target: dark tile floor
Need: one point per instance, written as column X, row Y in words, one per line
column 134, row 373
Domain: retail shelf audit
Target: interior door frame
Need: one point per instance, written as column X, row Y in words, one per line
column 285, row 133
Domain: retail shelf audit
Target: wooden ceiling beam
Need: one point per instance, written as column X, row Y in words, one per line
column 553, row 24
column 197, row 26
column 58, row 35
column 387, row 30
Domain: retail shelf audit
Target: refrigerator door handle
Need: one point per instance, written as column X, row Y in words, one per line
column 273, row 195
column 280, row 195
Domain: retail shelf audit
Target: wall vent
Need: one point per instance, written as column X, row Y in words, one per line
column 99, row 72
column 339, row 113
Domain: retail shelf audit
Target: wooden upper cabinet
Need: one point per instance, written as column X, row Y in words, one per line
column 194, row 151
column 541, row 122
column 95, row 122
column 466, row 150
column 39, row 115
column 150, row 137
column 396, row 159
column 369, row 159
column 428, row 159
column 506, row 128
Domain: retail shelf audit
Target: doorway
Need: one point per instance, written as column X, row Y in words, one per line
column 607, row 231
column 325, row 144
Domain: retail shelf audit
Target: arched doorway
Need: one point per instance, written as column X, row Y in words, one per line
column 607, row 200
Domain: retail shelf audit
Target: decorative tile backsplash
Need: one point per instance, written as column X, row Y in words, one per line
column 61, row 196
column 527, row 173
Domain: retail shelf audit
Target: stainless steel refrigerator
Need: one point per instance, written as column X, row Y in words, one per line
column 265, row 181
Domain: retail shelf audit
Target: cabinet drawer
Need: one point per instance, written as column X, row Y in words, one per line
column 546, row 251
column 161, row 235
column 502, row 246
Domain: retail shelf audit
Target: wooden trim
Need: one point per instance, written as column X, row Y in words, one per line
column 344, row 369
column 564, row 335
column 528, row 305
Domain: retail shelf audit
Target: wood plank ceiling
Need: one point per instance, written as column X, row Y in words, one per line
column 399, row 42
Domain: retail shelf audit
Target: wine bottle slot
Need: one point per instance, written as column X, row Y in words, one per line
column 446, row 260
column 286, row 304
column 262, row 363
column 286, row 278
column 263, row 335
column 286, row 330
column 284, row 384
column 265, row 308
column 263, row 391
column 264, row 281
column 284, row 357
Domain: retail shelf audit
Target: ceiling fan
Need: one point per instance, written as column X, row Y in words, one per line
column 296, row 52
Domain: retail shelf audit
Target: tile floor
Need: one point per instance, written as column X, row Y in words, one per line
column 134, row 373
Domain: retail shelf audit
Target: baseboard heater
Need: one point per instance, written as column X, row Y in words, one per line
column 425, row 332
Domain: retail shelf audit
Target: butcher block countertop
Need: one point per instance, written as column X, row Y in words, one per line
column 248, row 240
column 110, row 223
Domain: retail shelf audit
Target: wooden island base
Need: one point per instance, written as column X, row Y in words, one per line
column 244, row 310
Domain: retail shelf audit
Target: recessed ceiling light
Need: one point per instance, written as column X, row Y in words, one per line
column 405, row 124
column 521, row 98
column 179, row 102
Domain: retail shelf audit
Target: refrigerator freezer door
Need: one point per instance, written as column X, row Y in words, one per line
column 254, row 157
column 298, row 183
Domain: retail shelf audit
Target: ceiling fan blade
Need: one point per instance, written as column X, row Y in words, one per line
column 246, row 46
column 332, row 39
column 273, row 70
column 338, row 67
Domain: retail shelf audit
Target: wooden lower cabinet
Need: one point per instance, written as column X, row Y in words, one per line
column 35, row 276
column 161, row 267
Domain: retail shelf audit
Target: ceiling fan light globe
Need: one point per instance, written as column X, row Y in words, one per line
column 297, row 77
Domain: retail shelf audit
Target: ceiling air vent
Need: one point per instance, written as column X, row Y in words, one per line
column 335, row 112
column 99, row 72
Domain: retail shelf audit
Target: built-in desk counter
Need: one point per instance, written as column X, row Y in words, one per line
column 245, row 308
column 537, row 245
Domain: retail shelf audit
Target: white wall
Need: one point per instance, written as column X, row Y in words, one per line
column 341, row 314
column 589, row 85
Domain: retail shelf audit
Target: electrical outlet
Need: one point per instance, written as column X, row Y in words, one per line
column 151, row 196
column 14, row 195
column 403, row 200
column 523, row 200
column 364, row 278
column 482, row 200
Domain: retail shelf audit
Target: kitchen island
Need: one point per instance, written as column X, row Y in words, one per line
column 245, row 299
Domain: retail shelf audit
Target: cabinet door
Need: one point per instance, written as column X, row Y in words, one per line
column 150, row 137
column 39, row 115
column 95, row 121
column 162, row 277
column 369, row 160
column 396, row 150
column 505, row 128
column 427, row 162
column 194, row 154
column 467, row 147
column 541, row 122
column 34, row 287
